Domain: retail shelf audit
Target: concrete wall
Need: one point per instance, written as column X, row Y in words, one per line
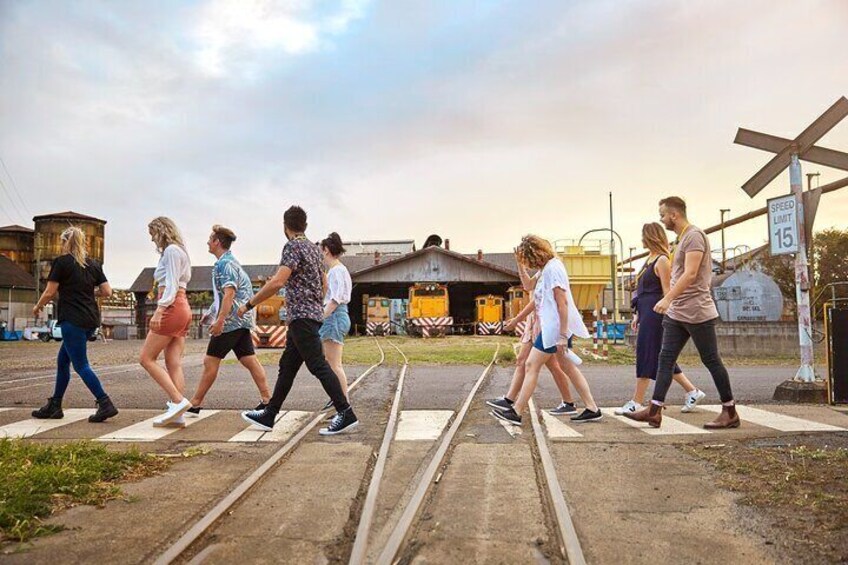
column 751, row 338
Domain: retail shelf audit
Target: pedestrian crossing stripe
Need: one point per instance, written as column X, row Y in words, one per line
column 775, row 421
column 144, row 431
column 669, row 427
column 418, row 425
column 285, row 425
column 34, row 426
column 556, row 428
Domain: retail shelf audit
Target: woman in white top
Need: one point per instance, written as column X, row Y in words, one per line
column 336, row 298
column 170, row 323
column 557, row 319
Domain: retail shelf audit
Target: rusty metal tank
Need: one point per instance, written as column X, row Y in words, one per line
column 18, row 244
column 49, row 228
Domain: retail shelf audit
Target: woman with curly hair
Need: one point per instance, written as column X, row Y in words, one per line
column 557, row 320
column 170, row 323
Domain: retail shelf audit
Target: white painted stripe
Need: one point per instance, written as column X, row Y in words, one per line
column 5, row 409
column 144, row 431
column 556, row 429
column 670, row 426
column 33, row 426
column 425, row 425
column 514, row 431
column 285, row 425
column 776, row 421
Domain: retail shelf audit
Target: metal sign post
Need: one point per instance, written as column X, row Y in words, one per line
column 782, row 237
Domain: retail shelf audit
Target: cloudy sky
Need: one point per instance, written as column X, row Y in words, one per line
column 478, row 120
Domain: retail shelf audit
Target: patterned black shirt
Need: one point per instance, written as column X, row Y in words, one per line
column 305, row 288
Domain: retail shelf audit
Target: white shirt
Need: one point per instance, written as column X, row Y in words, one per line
column 554, row 276
column 172, row 273
column 339, row 285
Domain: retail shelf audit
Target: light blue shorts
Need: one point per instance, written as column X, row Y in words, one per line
column 336, row 327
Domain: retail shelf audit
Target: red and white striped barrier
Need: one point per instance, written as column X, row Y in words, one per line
column 377, row 328
column 432, row 327
column 489, row 328
column 269, row 336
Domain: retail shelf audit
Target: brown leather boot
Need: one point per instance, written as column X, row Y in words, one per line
column 727, row 419
column 652, row 414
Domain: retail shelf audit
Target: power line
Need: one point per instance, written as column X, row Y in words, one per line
column 15, row 186
column 11, row 201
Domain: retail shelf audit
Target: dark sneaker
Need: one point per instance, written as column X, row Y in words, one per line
column 50, row 411
column 508, row 415
column 194, row 410
column 341, row 422
column 501, row 403
column 588, row 416
column 262, row 419
column 105, row 410
column 564, row 409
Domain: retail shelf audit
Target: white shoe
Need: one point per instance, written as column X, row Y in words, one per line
column 692, row 400
column 175, row 411
column 628, row 408
column 573, row 357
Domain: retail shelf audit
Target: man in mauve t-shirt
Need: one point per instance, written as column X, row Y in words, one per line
column 689, row 312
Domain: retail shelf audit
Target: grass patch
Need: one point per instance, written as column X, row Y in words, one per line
column 801, row 487
column 37, row 479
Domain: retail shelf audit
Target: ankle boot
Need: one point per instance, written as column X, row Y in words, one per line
column 652, row 414
column 50, row 411
column 105, row 409
column 727, row 419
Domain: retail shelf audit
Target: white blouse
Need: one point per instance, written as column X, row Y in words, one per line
column 339, row 285
column 172, row 273
column 554, row 276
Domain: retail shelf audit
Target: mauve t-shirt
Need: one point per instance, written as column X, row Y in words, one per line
column 695, row 305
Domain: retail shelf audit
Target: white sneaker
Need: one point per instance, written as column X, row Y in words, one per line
column 628, row 408
column 573, row 357
column 175, row 411
column 692, row 400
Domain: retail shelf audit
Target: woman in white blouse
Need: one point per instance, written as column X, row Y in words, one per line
column 336, row 318
column 557, row 319
column 170, row 323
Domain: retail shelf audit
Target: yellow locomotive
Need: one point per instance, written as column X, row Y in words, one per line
column 488, row 314
column 376, row 314
column 428, row 313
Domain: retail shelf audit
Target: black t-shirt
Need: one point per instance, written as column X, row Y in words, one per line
column 76, row 290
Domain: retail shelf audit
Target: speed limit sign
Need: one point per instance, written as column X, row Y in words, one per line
column 783, row 225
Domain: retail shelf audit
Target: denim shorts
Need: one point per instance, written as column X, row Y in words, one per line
column 336, row 326
column 541, row 347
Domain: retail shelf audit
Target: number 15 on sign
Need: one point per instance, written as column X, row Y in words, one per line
column 783, row 225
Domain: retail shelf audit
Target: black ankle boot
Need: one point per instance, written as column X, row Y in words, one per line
column 50, row 411
column 105, row 409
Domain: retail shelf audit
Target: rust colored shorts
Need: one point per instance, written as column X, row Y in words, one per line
column 176, row 319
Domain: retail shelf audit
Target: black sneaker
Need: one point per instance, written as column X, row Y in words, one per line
column 50, row 411
column 588, row 416
column 194, row 410
column 341, row 422
column 508, row 415
column 501, row 403
column 105, row 410
column 262, row 419
column 564, row 409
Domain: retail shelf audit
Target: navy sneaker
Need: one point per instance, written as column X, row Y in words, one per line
column 342, row 422
column 588, row 416
column 508, row 415
column 501, row 403
column 564, row 409
column 262, row 419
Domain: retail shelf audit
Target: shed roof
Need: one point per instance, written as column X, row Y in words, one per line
column 13, row 276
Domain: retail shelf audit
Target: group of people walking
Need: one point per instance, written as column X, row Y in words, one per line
column 317, row 321
column 672, row 303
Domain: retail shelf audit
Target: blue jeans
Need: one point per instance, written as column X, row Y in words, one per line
column 74, row 351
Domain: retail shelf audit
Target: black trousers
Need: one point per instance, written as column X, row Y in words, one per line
column 303, row 345
column 675, row 336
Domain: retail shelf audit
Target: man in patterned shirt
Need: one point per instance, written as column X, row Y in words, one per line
column 232, row 288
column 301, row 273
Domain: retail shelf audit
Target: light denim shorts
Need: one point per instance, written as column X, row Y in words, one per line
column 336, row 327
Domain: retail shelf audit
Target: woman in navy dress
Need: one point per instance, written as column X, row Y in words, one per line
column 653, row 282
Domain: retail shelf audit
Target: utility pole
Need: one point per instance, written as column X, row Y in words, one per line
column 613, row 267
column 723, row 248
column 805, row 372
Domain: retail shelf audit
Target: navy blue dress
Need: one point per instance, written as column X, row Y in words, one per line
column 649, row 339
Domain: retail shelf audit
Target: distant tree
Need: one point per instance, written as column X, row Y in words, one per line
column 200, row 299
